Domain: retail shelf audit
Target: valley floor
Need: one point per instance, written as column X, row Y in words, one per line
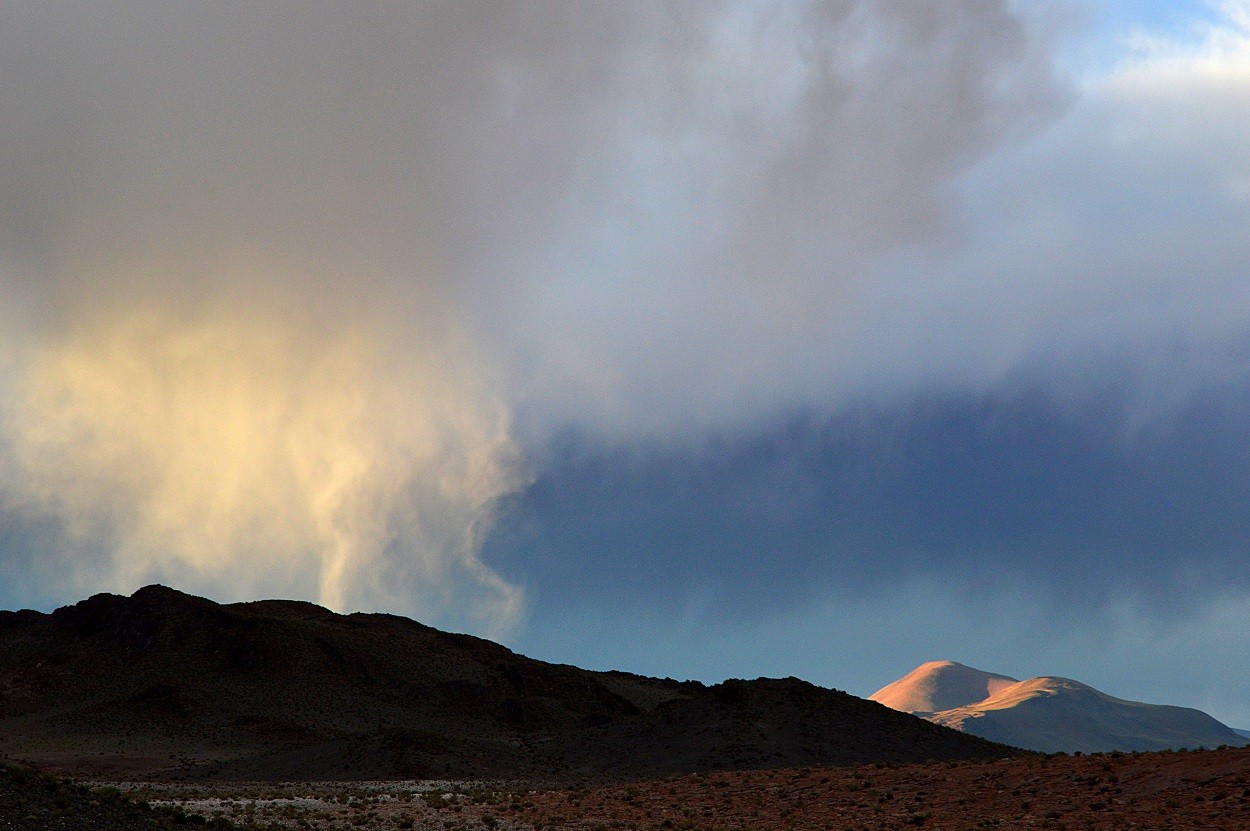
column 1182, row 790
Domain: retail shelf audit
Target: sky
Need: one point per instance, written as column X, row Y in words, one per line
column 704, row 340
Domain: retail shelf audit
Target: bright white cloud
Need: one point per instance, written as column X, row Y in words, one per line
column 893, row 206
column 1113, row 242
column 732, row 193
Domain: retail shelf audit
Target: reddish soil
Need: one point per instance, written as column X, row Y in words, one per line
column 1207, row 790
column 1197, row 790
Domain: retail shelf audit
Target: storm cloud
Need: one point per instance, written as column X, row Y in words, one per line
column 276, row 276
column 297, row 298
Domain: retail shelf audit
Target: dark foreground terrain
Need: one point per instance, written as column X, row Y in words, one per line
column 168, row 686
column 1206, row 790
column 33, row 801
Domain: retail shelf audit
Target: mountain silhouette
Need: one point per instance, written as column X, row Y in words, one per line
column 165, row 684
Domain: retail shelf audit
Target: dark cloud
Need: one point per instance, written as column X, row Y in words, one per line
column 999, row 490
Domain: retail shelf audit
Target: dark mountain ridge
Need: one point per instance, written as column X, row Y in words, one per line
column 164, row 684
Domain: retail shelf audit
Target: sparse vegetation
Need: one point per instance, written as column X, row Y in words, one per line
column 1153, row 790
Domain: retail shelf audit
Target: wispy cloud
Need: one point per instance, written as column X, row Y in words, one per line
column 243, row 454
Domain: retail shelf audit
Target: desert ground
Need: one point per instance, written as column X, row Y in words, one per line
column 1207, row 790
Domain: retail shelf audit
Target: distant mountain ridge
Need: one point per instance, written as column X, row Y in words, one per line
column 1047, row 714
column 165, row 684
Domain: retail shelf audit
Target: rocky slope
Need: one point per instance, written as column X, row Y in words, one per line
column 1047, row 714
column 165, row 684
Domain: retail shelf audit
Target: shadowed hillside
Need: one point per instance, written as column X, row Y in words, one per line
column 169, row 685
